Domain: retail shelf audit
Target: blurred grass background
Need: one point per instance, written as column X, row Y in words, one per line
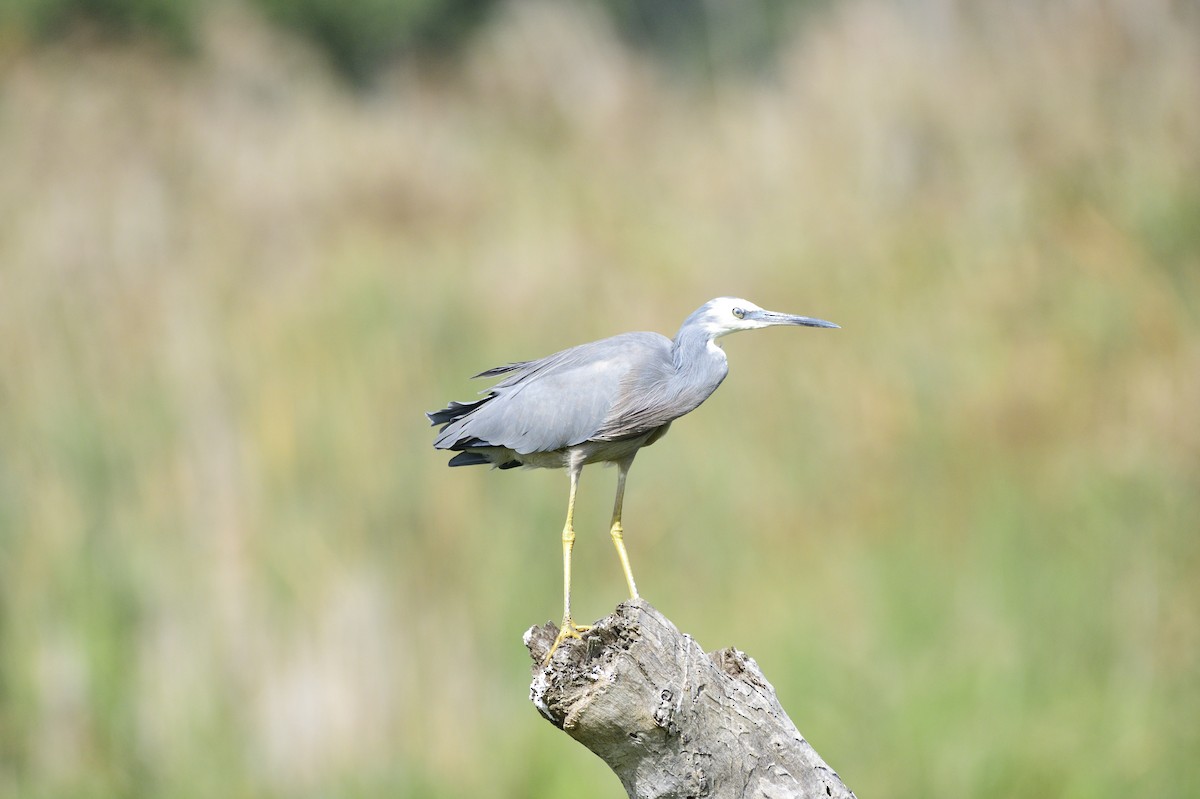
column 236, row 264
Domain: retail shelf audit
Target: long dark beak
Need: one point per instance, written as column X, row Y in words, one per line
column 773, row 318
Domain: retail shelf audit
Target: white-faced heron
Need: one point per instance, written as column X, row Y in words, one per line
column 598, row 402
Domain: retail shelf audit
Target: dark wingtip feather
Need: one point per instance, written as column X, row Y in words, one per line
column 468, row 459
column 467, row 443
column 454, row 411
column 496, row 371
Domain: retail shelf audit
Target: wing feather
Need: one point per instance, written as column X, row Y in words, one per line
column 558, row 401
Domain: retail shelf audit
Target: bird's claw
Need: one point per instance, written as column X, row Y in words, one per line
column 569, row 629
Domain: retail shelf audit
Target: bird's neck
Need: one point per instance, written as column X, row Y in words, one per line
column 696, row 349
column 700, row 366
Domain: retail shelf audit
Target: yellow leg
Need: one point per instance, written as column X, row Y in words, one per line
column 618, row 532
column 569, row 628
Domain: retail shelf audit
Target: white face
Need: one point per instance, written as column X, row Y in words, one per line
column 726, row 315
column 730, row 314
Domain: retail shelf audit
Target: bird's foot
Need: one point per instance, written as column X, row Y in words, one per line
column 569, row 629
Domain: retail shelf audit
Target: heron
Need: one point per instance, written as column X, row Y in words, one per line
column 599, row 402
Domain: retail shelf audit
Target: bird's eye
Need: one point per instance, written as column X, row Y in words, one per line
column 739, row 313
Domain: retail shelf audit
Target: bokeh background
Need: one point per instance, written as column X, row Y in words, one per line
column 244, row 245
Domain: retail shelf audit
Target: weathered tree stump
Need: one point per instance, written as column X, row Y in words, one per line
column 670, row 720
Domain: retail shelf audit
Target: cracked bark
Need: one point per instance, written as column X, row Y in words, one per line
column 670, row 720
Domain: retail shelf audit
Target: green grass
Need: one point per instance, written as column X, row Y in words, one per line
column 958, row 534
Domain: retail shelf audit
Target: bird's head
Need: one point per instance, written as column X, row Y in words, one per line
column 726, row 315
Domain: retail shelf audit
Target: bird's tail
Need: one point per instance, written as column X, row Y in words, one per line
column 472, row 451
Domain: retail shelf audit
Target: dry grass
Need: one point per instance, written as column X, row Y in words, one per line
column 959, row 534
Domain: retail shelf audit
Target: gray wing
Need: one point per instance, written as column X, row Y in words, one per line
column 556, row 402
column 658, row 394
